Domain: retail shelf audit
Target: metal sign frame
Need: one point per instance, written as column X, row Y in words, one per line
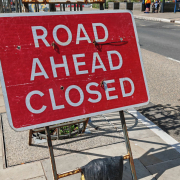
column 128, row 156
column 57, row 176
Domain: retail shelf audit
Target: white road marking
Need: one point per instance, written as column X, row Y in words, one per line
column 158, row 131
column 173, row 59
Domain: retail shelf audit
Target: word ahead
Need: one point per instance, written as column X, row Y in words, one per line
column 62, row 67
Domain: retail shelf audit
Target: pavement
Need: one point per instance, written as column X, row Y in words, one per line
column 154, row 157
column 156, row 154
column 170, row 17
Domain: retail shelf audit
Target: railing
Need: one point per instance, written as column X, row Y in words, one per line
column 19, row 6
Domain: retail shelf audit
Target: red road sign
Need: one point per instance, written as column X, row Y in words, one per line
column 61, row 67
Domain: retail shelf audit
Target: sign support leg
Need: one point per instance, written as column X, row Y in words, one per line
column 53, row 164
column 30, row 136
column 128, row 147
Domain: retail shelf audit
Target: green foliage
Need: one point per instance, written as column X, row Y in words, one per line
column 95, row 6
column 65, row 129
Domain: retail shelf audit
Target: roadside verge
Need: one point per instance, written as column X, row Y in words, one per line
column 156, row 19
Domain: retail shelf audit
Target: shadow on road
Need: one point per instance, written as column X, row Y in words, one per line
column 165, row 116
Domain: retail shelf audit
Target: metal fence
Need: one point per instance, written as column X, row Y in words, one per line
column 16, row 6
column 9, row 6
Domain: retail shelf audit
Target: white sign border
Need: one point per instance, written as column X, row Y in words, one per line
column 76, row 117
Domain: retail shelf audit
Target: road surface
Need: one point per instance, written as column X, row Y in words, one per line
column 160, row 46
column 159, row 37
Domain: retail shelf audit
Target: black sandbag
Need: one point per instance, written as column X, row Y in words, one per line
column 104, row 169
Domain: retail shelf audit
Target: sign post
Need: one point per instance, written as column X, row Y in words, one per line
column 53, row 164
column 57, row 68
column 128, row 147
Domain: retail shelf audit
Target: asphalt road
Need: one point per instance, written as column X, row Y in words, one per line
column 159, row 41
column 159, row 37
